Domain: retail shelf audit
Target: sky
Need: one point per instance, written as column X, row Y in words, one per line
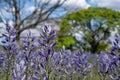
column 83, row 4
column 72, row 5
column 113, row 4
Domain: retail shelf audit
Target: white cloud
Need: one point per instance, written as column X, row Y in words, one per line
column 76, row 4
column 114, row 4
column 70, row 5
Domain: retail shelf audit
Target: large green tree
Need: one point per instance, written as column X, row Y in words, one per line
column 96, row 25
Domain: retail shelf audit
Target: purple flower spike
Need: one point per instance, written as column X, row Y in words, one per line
column 8, row 28
column 52, row 32
column 53, row 44
column 41, row 42
column 51, row 38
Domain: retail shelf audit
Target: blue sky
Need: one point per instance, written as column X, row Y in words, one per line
column 113, row 4
column 82, row 4
column 72, row 5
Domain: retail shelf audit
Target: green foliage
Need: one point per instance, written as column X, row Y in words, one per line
column 67, row 41
column 83, row 17
column 94, row 40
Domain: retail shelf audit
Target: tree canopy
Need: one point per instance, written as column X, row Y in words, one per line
column 83, row 17
column 95, row 23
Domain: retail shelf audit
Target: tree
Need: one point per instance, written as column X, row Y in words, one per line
column 96, row 25
column 23, row 20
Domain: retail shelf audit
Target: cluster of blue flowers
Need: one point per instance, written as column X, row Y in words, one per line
column 36, row 59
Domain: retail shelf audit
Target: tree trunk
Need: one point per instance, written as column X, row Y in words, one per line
column 18, row 35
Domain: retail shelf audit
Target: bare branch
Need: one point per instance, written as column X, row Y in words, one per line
column 17, row 14
column 33, row 13
column 47, row 13
column 43, row 9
